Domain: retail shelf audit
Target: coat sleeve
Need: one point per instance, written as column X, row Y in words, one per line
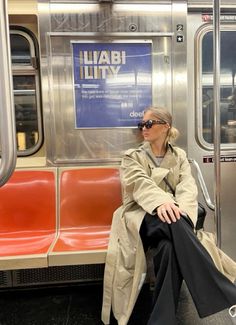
column 140, row 187
column 186, row 190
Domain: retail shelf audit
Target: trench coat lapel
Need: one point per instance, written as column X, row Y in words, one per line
column 168, row 163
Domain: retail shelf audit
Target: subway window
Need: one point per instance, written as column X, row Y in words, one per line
column 26, row 89
column 227, row 88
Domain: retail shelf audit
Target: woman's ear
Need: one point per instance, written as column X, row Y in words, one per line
column 167, row 125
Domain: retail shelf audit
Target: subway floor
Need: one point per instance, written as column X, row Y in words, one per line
column 81, row 305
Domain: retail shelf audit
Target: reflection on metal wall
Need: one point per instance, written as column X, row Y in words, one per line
column 61, row 24
column 85, row 17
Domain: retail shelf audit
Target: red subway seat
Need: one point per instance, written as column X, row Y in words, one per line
column 27, row 219
column 88, row 198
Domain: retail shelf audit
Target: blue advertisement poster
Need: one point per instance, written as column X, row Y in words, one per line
column 112, row 83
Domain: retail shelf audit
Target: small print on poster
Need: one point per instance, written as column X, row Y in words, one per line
column 112, row 83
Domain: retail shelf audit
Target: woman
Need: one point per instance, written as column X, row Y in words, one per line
column 158, row 211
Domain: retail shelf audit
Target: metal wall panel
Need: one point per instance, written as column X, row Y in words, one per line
column 5, row 279
column 198, row 151
column 61, row 22
column 57, row 275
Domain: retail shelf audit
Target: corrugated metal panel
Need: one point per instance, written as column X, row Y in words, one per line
column 54, row 275
column 5, row 279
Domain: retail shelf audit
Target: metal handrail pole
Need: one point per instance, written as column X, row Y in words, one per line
column 216, row 99
column 202, row 184
column 7, row 111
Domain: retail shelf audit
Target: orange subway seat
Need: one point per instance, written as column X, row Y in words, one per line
column 89, row 196
column 27, row 213
column 83, row 239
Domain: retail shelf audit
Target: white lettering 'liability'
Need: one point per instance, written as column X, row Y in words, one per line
column 102, row 57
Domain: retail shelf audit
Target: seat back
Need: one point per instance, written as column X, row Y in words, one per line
column 27, row 202
column 89, row 196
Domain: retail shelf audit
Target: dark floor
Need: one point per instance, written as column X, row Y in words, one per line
column 81, row 304
column 69, row 305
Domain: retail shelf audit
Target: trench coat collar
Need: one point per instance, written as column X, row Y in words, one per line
column 169, row 161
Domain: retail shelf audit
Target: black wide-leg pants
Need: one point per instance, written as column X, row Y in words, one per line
column 180, row 255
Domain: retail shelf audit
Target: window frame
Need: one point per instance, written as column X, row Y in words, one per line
column 30, row 70
column 202, row 31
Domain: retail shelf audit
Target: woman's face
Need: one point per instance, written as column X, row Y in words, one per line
column 158, row 132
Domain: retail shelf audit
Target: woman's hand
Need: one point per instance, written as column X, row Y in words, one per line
column 169, row 212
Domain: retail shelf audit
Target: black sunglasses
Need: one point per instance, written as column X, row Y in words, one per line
column 149, row 123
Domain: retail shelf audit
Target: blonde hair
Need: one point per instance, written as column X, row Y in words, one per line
column 163, row 115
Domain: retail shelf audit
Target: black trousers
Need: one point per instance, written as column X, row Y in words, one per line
column 179, row 255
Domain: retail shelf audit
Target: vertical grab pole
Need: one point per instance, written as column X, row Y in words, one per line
column 7, row 113
column 216, row 96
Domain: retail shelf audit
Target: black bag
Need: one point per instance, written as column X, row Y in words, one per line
column 201, row 212
column 201, row 215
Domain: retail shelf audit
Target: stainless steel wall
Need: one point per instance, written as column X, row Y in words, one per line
column 62, row 22
column 197, row 149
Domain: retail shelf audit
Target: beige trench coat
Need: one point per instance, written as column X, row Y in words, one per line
column 144, row 191
column 222, row 261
